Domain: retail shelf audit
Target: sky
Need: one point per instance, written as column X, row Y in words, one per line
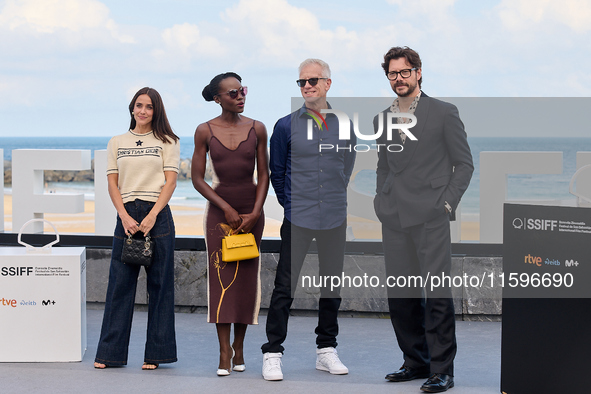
column 70, row 67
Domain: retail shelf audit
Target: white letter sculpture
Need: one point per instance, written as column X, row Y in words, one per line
column 28, row 199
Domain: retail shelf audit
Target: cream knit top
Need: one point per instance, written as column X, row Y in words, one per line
column 141, row 160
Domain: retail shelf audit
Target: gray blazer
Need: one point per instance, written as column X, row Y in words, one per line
column 414, row 184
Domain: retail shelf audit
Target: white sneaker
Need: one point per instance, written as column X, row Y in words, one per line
column 272, row 366
column 328, row 360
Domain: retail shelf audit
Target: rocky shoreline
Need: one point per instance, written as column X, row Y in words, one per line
column 88, row 175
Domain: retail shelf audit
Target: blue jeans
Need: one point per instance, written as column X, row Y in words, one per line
column 160, row 340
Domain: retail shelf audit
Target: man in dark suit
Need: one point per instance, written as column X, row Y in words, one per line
column 418, row 190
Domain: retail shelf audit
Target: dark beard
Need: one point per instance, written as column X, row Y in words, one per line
column 409, row 91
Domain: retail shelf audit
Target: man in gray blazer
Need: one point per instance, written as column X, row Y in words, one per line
column 418, row 190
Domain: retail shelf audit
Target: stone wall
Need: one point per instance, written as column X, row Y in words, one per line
column 471, row 303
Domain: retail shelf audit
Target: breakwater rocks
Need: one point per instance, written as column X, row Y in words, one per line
column 7, row 172
column 88, row 175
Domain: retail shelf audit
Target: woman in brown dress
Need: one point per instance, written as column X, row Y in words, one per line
column 235, row 204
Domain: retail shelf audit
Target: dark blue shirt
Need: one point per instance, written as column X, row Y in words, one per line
column 310, row 176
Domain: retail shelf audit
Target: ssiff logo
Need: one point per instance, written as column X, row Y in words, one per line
column 535, row 224
column 16, row 271
column 345, row 130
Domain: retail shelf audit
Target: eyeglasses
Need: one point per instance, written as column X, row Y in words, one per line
column 393, row 75
column 234, row 92
column 312, row 81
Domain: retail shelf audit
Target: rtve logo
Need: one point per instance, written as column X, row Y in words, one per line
column 7, row 302
column 529, row 259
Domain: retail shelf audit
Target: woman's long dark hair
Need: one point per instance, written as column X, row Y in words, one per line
column 160, row 125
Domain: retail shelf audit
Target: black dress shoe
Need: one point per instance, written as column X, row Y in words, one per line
column 438, row 383
column 405, row 373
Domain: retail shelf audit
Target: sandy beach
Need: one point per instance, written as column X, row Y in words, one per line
column 189, row 221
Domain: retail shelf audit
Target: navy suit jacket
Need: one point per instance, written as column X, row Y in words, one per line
column 413, row 185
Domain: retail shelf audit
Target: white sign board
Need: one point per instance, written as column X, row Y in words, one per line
column 42, row 305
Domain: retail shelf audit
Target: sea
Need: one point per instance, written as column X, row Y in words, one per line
column 520, row 186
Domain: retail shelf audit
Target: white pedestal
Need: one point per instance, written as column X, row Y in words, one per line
column 42, row 305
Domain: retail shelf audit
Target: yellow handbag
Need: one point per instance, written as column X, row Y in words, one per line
column 239, row 247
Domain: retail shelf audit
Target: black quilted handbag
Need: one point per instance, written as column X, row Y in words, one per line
column 138, row 250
